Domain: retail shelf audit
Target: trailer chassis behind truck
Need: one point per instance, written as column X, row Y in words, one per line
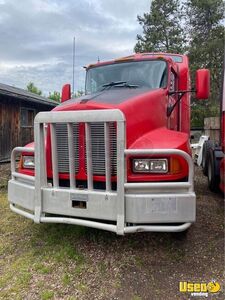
column 214, row 152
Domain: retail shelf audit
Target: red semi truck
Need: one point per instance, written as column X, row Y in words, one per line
column 213, row 161
column 119, row 157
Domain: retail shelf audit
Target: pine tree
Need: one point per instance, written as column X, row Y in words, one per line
column 33, row 89
column 206, row 50
column 162, row 30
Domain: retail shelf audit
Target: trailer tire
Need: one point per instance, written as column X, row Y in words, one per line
column 213, row 179
column 205, row 156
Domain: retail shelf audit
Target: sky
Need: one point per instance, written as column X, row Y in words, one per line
column 36, row 38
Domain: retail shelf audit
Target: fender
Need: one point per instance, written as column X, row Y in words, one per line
column 153, row 140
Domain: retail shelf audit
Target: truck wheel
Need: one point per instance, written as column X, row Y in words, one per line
column 205, row 156
column 213, row 180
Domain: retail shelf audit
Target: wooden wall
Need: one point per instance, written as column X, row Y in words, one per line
column 9, row 128
column 12, row 132
column 212, row 128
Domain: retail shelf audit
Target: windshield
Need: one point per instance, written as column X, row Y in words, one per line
column 149, row 74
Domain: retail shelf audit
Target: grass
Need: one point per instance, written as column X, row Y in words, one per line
column 102, row 267
column 45, row 295
column 58, row 261
column 36, row 253
column 42, row 268
column 66, row 279
column 47, row 261
column 135, row 297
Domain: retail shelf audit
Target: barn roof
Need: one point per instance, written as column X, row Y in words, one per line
column 25, row 95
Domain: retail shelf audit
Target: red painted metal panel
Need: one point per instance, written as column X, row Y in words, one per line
column 146, row 122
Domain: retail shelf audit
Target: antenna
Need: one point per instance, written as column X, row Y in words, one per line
column 73, row 63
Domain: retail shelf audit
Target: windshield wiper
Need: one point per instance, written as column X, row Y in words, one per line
column 113, row 83
column 119, row 84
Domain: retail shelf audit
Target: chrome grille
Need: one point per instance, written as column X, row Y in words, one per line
column 97, row 145
column 98, row 148
column 62, row 147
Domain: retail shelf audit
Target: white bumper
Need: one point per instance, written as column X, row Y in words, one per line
column 143, row 212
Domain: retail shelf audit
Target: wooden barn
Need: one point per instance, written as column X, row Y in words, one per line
column 17, row 111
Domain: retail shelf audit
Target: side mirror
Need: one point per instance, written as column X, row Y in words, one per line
column 202, row 84
column 66, row 92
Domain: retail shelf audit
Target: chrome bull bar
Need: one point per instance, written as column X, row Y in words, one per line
column 39, row 183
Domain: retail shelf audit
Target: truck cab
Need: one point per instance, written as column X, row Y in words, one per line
column 117, row 158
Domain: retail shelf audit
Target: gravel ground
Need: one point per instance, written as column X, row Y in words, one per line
column 69, row 262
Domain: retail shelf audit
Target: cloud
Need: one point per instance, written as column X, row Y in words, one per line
column 37, row 37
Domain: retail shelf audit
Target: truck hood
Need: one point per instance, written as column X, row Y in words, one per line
column 137, row 104
column 114, row 96
column 144, row 110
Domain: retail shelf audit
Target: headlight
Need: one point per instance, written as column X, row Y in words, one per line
column 28, row 162
column 150, row 165
column 141, row 165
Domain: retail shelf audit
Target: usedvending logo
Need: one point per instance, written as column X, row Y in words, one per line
column 199, row 289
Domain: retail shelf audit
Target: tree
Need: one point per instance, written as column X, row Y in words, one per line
column 162, row 30
column 55, row 96
column 204, row 43
column 204, row 16
column 206, row 50
column 33, row 89
column 78, row 94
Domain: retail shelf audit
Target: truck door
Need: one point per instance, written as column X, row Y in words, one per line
column 173, row 120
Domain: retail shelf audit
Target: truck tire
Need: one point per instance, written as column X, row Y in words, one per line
column 205, row 155
column 213, row 179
